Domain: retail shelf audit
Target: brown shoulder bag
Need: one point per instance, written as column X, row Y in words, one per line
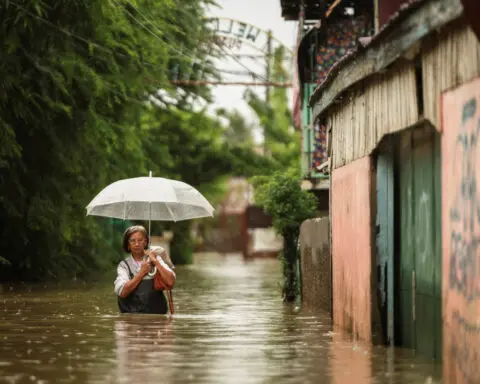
column 159, row 284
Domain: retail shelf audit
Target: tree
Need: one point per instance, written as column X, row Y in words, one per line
column 238, row 131
column 282, row 142
column 76, row 80
column 190, row 146
column 282, row 198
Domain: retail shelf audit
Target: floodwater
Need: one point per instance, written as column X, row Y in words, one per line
column 230, row 327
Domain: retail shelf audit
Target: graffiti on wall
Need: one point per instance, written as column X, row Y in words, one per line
column 464, row 353
column 461, row 232
column 465, row 213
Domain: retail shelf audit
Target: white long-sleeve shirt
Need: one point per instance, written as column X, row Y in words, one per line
column 123, row 276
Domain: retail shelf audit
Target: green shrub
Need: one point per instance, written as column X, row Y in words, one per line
column 282, row 198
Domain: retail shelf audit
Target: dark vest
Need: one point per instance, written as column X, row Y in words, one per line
column 143, row 299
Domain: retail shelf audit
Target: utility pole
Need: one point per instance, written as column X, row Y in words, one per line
column 267, row 88
column 268, row 65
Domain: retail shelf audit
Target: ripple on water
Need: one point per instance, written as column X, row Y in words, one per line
column 230, row 327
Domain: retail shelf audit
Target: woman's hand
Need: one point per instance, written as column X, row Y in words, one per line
column 151, row 255
column 145, row 268
column 167, row 275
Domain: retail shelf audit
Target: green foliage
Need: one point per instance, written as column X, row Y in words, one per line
column 282, row 142
column 75, row 115
column 182, row 244
column 238, row 130
column 281, row 197
column 86, row 100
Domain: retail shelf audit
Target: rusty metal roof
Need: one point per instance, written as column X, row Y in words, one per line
column 314, row 9
column 440, row 13
column 404, row 10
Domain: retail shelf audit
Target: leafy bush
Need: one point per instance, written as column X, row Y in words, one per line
column 282, row 198
column 80, row 88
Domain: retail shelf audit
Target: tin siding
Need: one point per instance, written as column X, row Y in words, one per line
column 382, row 104
column 441, row 67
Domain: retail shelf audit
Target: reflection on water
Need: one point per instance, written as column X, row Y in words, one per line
column 230, row 327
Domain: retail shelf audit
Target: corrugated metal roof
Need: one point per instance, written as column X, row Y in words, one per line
column 314, row 9
column 413, row 22
column 404, row 10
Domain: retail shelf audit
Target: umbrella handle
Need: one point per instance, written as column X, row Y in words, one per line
column 151, row 273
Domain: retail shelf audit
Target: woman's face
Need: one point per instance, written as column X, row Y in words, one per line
column 137, row 242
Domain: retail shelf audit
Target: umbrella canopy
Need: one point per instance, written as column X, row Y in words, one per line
column 150, row 198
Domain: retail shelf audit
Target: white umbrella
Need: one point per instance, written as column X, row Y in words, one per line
column 150, row 198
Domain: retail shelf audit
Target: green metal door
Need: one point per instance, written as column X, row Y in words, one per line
column 385, row 239
column 405, row 320
column 420, row 249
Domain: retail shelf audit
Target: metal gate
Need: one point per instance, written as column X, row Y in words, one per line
column 418, row 259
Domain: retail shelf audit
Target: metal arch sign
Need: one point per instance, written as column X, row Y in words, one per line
column 235, row 32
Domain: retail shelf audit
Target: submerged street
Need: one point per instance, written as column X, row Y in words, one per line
column 230, row 326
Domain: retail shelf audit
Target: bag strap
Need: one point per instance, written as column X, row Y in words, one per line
column 170, row 301
column 129, row 270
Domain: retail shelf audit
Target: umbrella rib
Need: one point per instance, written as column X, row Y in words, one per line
column 192, row 203
column 171, row 213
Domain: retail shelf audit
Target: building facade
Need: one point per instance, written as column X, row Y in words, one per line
column 401, row 111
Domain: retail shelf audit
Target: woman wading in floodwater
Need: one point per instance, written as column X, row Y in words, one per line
column 134, row 283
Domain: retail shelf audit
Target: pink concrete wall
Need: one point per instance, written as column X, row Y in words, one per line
column 351, row 247
column 461, row 233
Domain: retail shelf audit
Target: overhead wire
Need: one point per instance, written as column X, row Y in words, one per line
column 110, row 51
column 193, row 59
column 76, row 36
column 89, row 42
column 176, row 49
column 254, row 74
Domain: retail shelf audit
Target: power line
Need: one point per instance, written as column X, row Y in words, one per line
column 244, row 66
column 110, row 51
column 244, row 83
column 235, row 72
column 81, row 38
column 68, row 33
column 193, row 59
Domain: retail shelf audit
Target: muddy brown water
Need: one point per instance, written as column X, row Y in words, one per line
column 230, row 327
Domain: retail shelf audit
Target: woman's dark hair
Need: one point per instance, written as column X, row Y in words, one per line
column 130, row 231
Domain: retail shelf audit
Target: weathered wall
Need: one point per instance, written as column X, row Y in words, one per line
column 352, row 247
column 461, row 233
column 449, row 59
column 382, row 104
column 316, row 264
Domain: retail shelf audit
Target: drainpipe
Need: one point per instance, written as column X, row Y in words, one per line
column 301, row 21
column 298, row 265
